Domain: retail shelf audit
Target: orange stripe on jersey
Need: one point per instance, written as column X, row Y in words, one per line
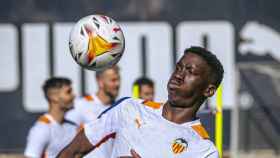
column 181, row 149
column 152, row 104
column 88, row 98
column 201, row 131
column 104, row 139
column 44, row 119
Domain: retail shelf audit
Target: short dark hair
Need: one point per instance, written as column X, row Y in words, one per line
column 217, row 70
column 143, row 81
column 100, row 72
column 55, row 82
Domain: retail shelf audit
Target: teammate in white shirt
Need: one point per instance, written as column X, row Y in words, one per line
column 88, row 108
column 51, row 132
column 152, row 130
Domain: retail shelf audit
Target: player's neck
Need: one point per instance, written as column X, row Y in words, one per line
column 104, row 98
column 57, row 113
column 177, row 114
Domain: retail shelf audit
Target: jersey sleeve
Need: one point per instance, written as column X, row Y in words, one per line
column 105, row 127
column 37, row 140
column 102, row 129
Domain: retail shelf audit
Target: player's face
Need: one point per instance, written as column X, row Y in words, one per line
column 66, row 97
column 189, row 82
column 146, row 92
column 110, row 82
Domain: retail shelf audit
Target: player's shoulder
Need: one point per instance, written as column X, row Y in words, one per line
column 44, row 120
column 199, row 129
column 88, row 98
column 85, row 99
column 42, row 126
column 151, row 104
column 203, row 142
column 43, row 123
column 133, row 105
column 140, row 103
column 205, row 148
column 117, row 106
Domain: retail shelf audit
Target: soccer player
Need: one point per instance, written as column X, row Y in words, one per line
column 87, row 109
column 145, row 88
column 156, row 130
column 51, row 132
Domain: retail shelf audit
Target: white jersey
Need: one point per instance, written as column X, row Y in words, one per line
column 138, row 125
column 47, row 137
column 87, row 109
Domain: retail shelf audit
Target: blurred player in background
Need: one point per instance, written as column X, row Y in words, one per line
column 159, row 130
column 51, row 132
column 145, row 88
column 88, row 108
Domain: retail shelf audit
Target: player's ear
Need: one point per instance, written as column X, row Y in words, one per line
column 210, row 90
column 99, row 81
column 53, row 95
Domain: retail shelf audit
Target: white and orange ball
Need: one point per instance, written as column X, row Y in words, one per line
column 96, row 42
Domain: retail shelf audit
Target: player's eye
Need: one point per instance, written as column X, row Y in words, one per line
column 178, row 68
column 69, row 91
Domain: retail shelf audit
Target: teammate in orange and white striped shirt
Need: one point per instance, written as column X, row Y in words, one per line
column 51, row 132
column 152, row 132
column 88, row 108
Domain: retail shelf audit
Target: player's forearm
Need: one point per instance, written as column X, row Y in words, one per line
column 71, row 152
column 79, row 147
column 66, row 153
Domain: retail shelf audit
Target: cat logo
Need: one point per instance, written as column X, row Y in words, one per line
column 179, row 145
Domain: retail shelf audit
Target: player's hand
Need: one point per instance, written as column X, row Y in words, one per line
column 133, row 153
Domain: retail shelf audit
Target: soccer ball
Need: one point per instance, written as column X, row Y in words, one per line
column 96, row 42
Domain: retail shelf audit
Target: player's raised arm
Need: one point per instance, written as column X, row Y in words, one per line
column 77, row 148
column 95, row 133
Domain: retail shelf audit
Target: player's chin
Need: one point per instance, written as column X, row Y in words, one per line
column 70, row 106
column 173, row 99
column 113, row 96
column 115, row 93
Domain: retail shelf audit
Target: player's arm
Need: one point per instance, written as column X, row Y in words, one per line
column 79, row 147
column 94, row 134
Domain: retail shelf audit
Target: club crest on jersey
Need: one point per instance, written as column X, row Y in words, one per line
column 179, row 145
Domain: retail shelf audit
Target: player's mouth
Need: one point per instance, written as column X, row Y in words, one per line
column 173, row 84
column 173, row 87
